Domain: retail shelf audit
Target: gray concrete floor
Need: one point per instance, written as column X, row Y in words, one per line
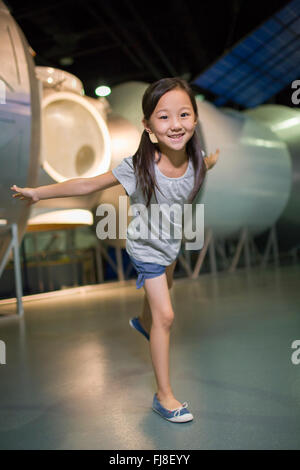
column 78, row 377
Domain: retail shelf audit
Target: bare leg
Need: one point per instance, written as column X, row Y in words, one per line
column 162, row 318
column 146, row 317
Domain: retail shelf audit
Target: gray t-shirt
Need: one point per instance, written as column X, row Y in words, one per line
column 165, row 248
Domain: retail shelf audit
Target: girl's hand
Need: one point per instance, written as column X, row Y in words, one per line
column 211, row 160
column 28, row 194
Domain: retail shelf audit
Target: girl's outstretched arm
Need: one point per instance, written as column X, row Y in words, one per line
column 211, row 160
column 72, row 187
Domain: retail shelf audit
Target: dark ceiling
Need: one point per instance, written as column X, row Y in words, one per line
column 112, row 41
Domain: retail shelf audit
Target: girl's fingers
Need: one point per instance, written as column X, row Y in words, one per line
column 211, row 160
column 20, row 195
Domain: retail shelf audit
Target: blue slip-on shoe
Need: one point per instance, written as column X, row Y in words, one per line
column 134, row 323
column 180, row 415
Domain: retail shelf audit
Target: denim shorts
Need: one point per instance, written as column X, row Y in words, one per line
column 146, row 270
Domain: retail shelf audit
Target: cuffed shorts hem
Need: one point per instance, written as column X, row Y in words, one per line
column 146, row 270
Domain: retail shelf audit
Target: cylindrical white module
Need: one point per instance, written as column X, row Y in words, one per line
column 75, row 141
column 59, row 80
column 285, row 123
column 126, row 100
column 19, row 123
column 251, row 183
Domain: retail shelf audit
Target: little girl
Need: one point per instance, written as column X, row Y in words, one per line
column 174, row 165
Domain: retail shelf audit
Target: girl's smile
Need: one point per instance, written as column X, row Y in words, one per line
column 177, row 137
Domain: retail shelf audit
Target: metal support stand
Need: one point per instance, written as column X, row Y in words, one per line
column 14, row 245
column 118, row 268
column 128, row 270
column 208, row 244
column 38, row 262
column 99, row 264
column 272, row 243
column 245, row 246
column 186, row 265
column 220, row 248
column 70, row 248
column 119, row 263
column 246, row 242
column 242, row 243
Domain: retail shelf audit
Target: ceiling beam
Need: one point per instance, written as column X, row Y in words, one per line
column 111, row 33
column 157, row 49
column 138, row 48
column 30, row 12
column 189, row 22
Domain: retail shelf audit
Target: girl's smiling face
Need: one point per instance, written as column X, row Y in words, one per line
column 173, row 120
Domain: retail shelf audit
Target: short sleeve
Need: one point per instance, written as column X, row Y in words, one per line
column 124, row 172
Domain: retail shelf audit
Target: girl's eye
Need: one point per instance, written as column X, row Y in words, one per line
column 163, row 117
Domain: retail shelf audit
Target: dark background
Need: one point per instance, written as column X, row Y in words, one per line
column 113, row 41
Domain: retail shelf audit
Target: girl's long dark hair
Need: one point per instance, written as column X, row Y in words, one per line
column 143, row 159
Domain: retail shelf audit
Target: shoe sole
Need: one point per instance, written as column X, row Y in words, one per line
column 173, row 420
column 134, row 328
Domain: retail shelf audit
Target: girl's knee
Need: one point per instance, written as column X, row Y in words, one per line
column 164, row 318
